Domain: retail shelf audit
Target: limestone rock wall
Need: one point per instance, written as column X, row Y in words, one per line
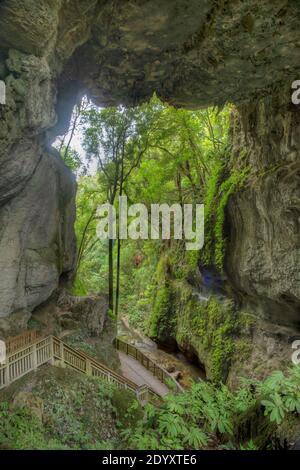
column 37, row 191
column 263, row 259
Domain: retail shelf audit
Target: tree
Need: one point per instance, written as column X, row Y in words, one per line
column 64, row 144
column 72, row 159
column 117, row 138
column 152, row 154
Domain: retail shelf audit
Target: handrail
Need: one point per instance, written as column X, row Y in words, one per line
column 53, row 350
column 158, row 371
column 20, row 341
column 24, row 360
column 89, row 361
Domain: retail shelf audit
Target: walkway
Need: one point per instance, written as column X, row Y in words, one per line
column 141, row 375
column 134, row 371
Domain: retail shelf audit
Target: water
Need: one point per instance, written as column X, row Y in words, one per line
column 201, row 296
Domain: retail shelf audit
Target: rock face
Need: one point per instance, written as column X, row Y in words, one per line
column 263, row 259
column 85, row 313
column 192, row 53
column 37, row 240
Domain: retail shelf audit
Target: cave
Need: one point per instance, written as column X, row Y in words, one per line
column 193, row 54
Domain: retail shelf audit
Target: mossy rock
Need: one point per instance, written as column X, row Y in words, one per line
column 252, row 425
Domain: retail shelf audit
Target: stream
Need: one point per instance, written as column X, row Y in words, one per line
column 175, row 363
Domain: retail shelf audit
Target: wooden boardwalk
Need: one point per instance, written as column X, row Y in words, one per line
column 141, row 375
column 134, row 371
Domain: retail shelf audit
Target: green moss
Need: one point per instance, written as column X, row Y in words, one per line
column 212, row 185
column 207, row 329
column 162, row 319
column 173, row 263
column 214, row 331
column 246, row 321
column 227, row 188
column 213, row 327
column 243, row 349
column 220, row 186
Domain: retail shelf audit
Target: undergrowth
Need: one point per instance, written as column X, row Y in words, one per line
column 207, row 416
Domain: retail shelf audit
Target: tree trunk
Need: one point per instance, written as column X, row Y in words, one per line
column 111, row 275
column 119, row 241
column 118, row 278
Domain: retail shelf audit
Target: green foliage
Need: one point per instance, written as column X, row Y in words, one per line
column 211, row 328
column 73, row 420
column 281, row 394
column 91, row 269
column 78, row 412
column 78, row 340
column 170, row 156
column 172, row 268
column 162, row 318
column 207, row 415
column 212, row 183
column 249, row 446
column 72, row 159
column 128, row 409
column 20, row 429
column 185, row 421
column 219, row 188
column 138, row 281
column 227, row 188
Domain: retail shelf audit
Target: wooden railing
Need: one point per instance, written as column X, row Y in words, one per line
column 25, row 360
column 22, row 340
column 53, row 350
column 159, row 372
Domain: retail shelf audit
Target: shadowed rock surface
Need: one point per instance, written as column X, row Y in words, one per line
column 263, row 259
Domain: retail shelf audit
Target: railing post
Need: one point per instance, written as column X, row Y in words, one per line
column 34, row 357
column 142, row 394
column 88, row 367
column 6, row 373
column 62, row 356
column 51, row 351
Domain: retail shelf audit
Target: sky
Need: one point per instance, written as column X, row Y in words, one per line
column 76, row 144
